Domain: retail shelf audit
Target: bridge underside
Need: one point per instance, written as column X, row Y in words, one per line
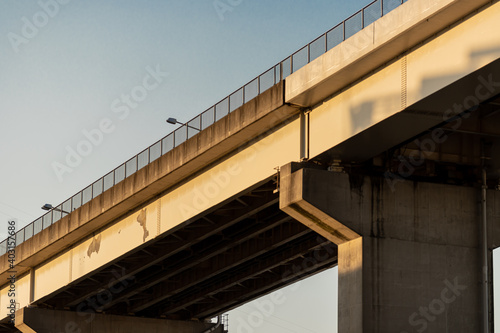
column 242, row 249
column 454, row 151
column 407, row 219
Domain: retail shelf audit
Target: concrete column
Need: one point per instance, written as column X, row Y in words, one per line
column 351, row 278
column 409, row 256
column 34, row 320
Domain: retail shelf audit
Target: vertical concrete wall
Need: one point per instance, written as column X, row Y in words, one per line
column 350, row 266
column 416, row 265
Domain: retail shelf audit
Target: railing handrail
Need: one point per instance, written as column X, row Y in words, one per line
column 277, row 72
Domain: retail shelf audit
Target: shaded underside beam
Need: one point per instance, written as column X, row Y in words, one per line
column 309, row 263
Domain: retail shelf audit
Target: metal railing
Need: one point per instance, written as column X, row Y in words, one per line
column 252, row 89
column 225, row 322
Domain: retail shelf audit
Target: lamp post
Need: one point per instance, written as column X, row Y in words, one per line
column 174, row 121
column 49, row 207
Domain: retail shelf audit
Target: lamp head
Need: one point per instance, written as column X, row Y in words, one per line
column 47, row 207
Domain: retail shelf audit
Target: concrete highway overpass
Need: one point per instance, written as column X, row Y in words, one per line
column 379, row 155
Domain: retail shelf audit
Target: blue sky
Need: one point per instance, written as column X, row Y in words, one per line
column 59, row 81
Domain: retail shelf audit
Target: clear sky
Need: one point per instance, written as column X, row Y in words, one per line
column 63, row 73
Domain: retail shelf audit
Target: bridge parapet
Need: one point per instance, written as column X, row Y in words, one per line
column 233, row 132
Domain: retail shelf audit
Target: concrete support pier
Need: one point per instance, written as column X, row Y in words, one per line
column 409, row 258
column 31, row 320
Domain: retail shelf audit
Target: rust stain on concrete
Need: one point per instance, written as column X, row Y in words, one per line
column 94, row 246
column 141, row 219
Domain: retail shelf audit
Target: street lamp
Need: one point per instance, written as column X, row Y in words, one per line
column 174, row 121
column 49, row 207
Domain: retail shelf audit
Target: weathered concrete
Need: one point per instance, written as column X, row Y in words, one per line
column 415, row 265
column 254, row 118
column 379, row 43
column 421, row 88
column 159, row 216
column 428, row 79
column 36, row 320
column 416, row 19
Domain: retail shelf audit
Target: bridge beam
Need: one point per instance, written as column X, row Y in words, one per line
column 32, row 320
column 408, row 253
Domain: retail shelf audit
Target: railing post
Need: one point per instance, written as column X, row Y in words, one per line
column 362, row 19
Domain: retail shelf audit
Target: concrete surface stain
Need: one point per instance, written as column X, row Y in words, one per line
column 94, row 246
column 141, row 219
column 377, row 219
